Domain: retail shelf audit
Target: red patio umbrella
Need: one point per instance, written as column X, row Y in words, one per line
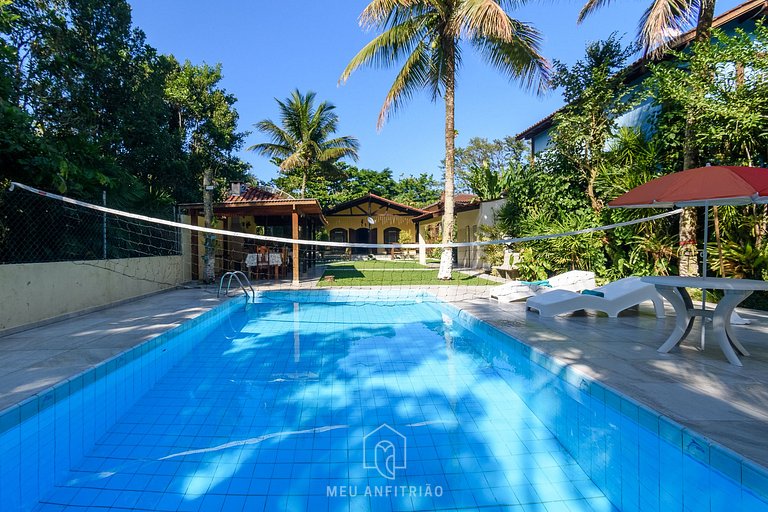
column 702, row 186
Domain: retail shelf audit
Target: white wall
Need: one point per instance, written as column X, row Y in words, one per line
column 467, row 223
column 35, row 292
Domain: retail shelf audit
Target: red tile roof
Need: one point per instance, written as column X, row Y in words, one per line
column 462, row 202
column 457, row 199
column 257, row 194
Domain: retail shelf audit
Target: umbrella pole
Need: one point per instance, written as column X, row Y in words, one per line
column 704, row 274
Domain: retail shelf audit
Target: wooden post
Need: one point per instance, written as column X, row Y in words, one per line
column 226, row 263
column 295, row 236
column 193, row 242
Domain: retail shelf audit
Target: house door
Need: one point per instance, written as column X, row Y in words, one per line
column 362, row 236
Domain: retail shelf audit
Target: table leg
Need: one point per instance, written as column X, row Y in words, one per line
column 681, row 302
column 721, row 324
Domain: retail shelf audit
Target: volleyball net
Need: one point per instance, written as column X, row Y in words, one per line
column 171, row 247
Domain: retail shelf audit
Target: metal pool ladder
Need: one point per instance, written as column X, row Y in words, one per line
column 236, row 274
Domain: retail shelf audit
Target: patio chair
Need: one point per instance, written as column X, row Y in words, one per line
column 611, row 298
column 574, row 280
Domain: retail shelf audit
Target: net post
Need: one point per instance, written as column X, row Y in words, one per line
column 422, row 241
column 295, row 236
column 104, row 223
column 194, row 243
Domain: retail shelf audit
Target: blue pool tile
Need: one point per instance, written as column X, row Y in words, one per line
column 242, row 421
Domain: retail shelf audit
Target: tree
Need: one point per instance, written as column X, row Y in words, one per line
column 596, row 95
column 206, row 123
column 418, row 190
column 95, row 92
column 660, row 24
column 349, row 182
column 426, row 34
column 302, row 143
column 731, row 109
column 498, row 155
column 731, row 112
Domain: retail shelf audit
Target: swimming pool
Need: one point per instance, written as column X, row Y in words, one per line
column 318, row 405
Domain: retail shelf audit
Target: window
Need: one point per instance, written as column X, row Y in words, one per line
column 339, row 235
column 391, row 235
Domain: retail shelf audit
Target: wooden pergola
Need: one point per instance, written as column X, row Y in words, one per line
column 305, row 216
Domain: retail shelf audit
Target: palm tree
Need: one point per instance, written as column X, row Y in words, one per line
column 659, row 26
column 426, row 36
column 302, row 144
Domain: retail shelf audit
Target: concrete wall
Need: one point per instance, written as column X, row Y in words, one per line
column 31, row 293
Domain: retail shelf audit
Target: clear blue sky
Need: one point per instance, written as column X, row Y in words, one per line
column 269, row 48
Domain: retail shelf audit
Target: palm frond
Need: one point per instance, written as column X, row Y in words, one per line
column 333, row 154
column 413, row 76
column 295, row 160
column 267, row 149
column 590, row 7
column 438, row 72
column 664, row 21
column 381, row 13
column 303, row 134
column 485, row 18
column 276, row 134
column 385, row 49
column 346, row 142
column 520, row 58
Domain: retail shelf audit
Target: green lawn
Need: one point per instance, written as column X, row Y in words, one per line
column 392, row 273
column 377, row 264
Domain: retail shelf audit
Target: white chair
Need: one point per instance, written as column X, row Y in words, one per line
column 616, row 297
column 574, row 280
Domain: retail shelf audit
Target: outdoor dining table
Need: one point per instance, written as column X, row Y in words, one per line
column 673, row 288
column 273, row 259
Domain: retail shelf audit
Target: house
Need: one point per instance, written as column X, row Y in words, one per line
column 742, row 16
column 258, row 211
column 371, row 219
column 470, row 213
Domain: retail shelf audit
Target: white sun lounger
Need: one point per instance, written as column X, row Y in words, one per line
column 575, row 280
column 617, row 296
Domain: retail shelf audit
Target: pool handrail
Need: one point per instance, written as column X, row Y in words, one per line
column 236, row 274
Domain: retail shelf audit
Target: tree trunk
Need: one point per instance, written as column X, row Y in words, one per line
column 449, row 221
column 689, row 261
column 596, row 204
column 209, row 269
column 303, row 184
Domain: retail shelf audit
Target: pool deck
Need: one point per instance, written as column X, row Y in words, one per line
column 698, row 389
column 39, row 358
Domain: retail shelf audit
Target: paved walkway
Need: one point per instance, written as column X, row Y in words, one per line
column 33, row 360
column 698, row 389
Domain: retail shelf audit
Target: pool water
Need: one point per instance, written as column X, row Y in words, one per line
column 330, row 406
